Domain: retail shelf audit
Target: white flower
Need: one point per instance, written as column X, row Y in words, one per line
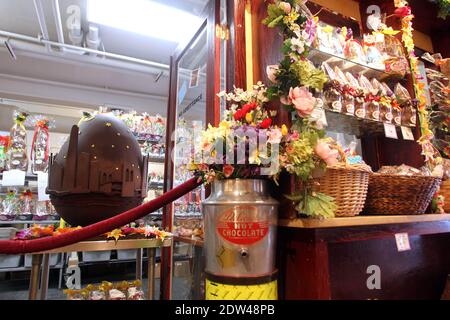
column 297, row 45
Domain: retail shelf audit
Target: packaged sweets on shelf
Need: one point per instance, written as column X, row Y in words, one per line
column 353, row 50
column 372, row 104
column 359, row 97
column 348, row 100
column 10, row 206
column 4, row 142
column 325, row 38
column 134, row 291
column 26, row 205
column 385, row 102
column 17, row 149
column 409, row 112
column 373, row 55
column 73, row 294
column 96, row 292
column 118, row 291
column 332, row 91
column 40, row 145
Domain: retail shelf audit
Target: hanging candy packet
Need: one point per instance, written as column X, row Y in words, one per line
column 332, row 90
column 385, row 102
column 372, row 100
column 358, row 94
column 409, row 113
column 135, row 291
column 40, row 144
column 17, row 149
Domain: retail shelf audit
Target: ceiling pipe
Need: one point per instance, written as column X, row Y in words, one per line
column 84, row 50
column 58, row 22
column 41, row 20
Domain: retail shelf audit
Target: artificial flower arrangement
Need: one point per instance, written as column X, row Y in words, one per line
column 38, row 231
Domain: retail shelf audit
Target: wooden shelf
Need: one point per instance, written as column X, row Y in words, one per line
column 308, row 223
column 198, row 242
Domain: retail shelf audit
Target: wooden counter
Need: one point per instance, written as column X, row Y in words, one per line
column 330, row 259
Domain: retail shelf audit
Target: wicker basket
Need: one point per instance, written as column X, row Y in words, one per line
column 347, row 184
column 445, row 191
column 400, row 195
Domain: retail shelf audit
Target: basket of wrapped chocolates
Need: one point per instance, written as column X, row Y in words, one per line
column 108, row 291
column 347, row 182
column 400, row 190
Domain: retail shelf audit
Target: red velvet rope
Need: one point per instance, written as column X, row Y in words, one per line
column 99, row 228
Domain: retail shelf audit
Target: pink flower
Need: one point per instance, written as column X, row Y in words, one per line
column 228, row 170
column 272, row 72
column 274, row 135
column 285, row 6
column 286, row 100
column 327, row 154
column 303, row 101
column 294, row 136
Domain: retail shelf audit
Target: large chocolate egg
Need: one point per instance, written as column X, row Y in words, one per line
column 98, row 173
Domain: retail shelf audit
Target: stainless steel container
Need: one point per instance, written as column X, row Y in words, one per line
column 240, row 229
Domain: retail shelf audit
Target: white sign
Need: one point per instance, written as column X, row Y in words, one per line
column 390, row 131
column 407, row 133
column 42, row 185
column 13, row 178
column 402, row 240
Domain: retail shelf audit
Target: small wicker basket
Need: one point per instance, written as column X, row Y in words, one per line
column 400, row 195
column 348, row 185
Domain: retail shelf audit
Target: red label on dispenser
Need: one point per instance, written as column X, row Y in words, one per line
column 240, row 225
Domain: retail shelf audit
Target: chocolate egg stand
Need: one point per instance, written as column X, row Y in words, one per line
column 97, row 181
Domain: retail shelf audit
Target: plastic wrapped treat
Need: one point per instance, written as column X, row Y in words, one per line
column 385, row 102
column 17, row 149
column 96, row 292
column 4, row 142
column 373, row 55
column 10, row 206
column 332, row 91
column 359, row 97
column 40, row 145
column 395, row 61
column 135, row 291
column 76, row 294
column 371, row 98
column 348, row 93
column 353, row 50
column 118, row 291
column 325, row 38
column 409, row 113
column 27, row 205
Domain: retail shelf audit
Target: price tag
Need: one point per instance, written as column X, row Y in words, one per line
column 402, row 240
column 390, row 131
column 13, row 178
column 42, row 185
column 407, row 133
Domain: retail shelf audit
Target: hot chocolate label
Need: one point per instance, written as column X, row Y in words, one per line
column 241, row 225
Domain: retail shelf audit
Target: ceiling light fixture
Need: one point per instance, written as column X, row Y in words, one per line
column 144, row 17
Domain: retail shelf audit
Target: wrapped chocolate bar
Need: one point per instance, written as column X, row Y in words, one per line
column 409, row 112
column 372, row 100
column 332, row 90
column 17, row 149
column 96, row 292
column 348, row 92
column 135, row 291
column 359, row 97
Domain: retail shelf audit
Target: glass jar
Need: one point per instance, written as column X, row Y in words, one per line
column 332, row 95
